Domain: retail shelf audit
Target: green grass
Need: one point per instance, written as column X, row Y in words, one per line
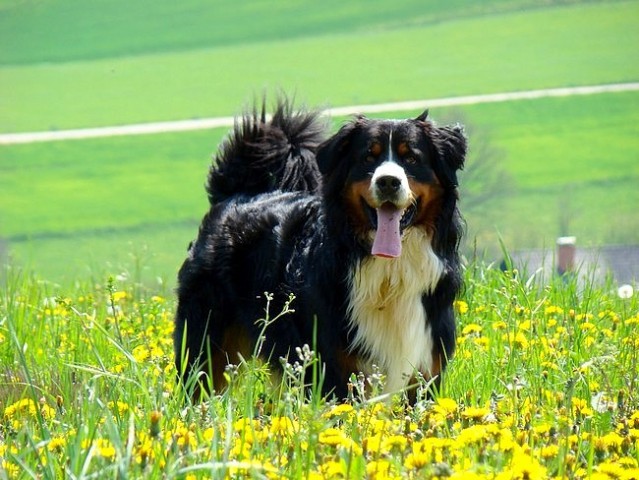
column 65, row 30
column 572, row 158
column 547, row 47
column 543, row 385
column 69, row 206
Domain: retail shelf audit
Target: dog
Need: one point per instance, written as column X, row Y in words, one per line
column 361, row 227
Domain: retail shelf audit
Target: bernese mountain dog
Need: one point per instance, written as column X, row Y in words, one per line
column 361, row 227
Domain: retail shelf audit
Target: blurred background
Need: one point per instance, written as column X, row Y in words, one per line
column 541, row 166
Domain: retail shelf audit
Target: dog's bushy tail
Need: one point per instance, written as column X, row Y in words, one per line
column 262, row 155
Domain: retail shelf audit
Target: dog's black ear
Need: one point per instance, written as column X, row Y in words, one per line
column 450, row 143
column 332, row 150
column 422, row 117
column 453, row 145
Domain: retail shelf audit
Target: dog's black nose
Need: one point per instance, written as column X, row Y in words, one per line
column 388, row 185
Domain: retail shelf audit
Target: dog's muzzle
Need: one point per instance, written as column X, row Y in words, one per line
column 392, row 196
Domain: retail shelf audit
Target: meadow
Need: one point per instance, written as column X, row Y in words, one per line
column 560, row 45
column 543, row 385
column 85, row 207
column 545, row 379
column 75, row 208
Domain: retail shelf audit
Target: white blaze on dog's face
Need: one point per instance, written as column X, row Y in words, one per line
column 392, row 185
column 391, row 194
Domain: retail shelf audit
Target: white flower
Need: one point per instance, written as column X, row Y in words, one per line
column 625, row 291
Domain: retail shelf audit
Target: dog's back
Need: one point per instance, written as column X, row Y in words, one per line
column 262, row 189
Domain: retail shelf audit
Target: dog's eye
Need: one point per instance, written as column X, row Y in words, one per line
column 373, row 152
column 410, row 160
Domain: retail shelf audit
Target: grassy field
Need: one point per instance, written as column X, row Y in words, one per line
column 577, row 44
column 544, row 385
column 101, row 204
column 71, row 207
column 35, row 34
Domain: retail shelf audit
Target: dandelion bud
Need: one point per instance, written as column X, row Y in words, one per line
column 620, row 399
column 155, row 423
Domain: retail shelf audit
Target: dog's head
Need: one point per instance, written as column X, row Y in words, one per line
column 390, row 176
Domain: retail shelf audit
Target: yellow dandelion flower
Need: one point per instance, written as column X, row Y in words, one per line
column 475, row 413
column 243, row 469
column 144, row 452
column 506, row 440
column 472, row 328
column 57, row 444
column 580, row 408
column 119, row 406
column 378, row 469
column 630, row 474
column 119, row 295
column 593, row 476
column 549, row 451
column 372, row 444
column 445, row 406
column 523, row 467
column 244, row 425
column 611, row 442
column 524, row 326
column 208, row 434
column 11, row 469
column 337, row 438
column 517, row 339
column 397, row 442
column 628, row 462
column 499, row 325
column 334, row 437
column 104, row 448
column 283, row 426
column 27, row 408
column 339, row 410
column 482, row 343
column 611, row 469
column 417, row 460
column 474, row 434
column 553, row 310
column 119, row 368
column 333, row 469
column 241, row 449
column 141, row 353
column 468, row 475
column 461, row 306
column 184, row 438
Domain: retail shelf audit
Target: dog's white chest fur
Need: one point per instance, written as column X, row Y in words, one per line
column 387, row 313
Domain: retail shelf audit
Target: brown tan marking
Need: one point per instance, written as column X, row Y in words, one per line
column 353, row 194
column 429, row 200
column 235, row 344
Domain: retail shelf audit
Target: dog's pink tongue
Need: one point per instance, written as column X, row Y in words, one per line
column 388, row 241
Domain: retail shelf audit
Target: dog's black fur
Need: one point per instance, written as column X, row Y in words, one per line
column 292, row 213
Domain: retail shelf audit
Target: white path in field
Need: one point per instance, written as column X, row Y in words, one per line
column 208, row 123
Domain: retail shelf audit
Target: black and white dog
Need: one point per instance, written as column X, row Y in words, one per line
column 361, row 227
